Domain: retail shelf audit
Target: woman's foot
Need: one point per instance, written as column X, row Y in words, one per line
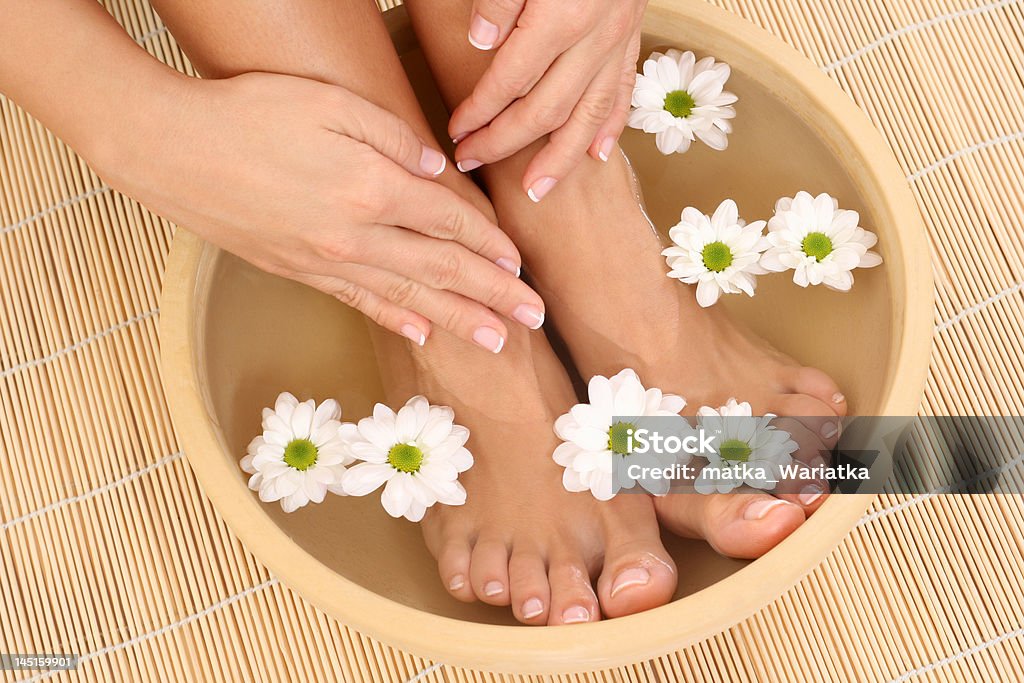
column 521, row 539
column 597, row 262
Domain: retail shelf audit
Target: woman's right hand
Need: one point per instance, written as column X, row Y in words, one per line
column 310, row 182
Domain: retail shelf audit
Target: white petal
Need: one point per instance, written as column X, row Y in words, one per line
column 397, row 496
column 708, row 292
column 302, row 419
column 363, row 478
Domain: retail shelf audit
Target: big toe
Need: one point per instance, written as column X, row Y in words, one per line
column 739, row 525
column 817, row 384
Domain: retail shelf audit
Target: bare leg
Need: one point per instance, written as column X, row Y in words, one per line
column 521, row 539
column 613, row 280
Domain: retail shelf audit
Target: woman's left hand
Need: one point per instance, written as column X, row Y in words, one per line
column 564, row 68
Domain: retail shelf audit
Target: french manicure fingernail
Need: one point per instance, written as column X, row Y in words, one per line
column 493, row 588
column 759, row 509
column 533, row 608
column 489, row 338
column 432, row 161
column 829, row 429
column 540, row 188
column 457, row 582
column 635, row 576
column 467, row 165
column 529, row 315
column 575, row 615
column 605, row 150
column 482, row 33
column 413, row 333
column 456, row 139
column 510, row 265
column 810, row 494
column 838, row 398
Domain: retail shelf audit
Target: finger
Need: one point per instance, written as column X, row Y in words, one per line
column 492, row 21
column 462, row 317
column 436, row 211
column 387, row 134
column 521, row 62
column 388, row 315
column 450, row 267
column 568, row 145
column 610, row 132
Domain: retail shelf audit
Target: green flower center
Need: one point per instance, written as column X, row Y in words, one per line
column 679, row 103
column 717, row 256
column 405, row 457
column 734, row 450
column 300, row 454
column 618, row 437
column 817, row 244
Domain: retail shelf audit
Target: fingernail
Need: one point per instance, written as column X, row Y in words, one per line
column 467, row 165
column 457, row 582
column 510, row 265
column 432, row 161
column 413, row 333
column 482, row 33
column 809, row 495
column 575, row 615
column 531, row 316
column 829, row 429
column 533, row 608
column 605, row 151
column 493, row 588
column 540, row 188
column 489, row 338
column 456, row 139
column 635, row 576
column 759, row 509
column 838, row 398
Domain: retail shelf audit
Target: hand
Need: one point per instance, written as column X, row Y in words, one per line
column 562, row 68
column 310, row 182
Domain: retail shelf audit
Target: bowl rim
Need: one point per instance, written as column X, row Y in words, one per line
column 615, row 642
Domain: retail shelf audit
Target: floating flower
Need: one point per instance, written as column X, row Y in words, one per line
column 820, row 242
column 748, row 450
column 594, row 441
column 678, row 99
column 418, row 452
column 718, row 253
column 301, row 454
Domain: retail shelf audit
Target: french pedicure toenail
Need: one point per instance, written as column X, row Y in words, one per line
column 489, row 338
column 634, row 576
column 540, row 188
column 838, row 398
column 456, row 582
column 467, row 165
column 810, row 495
column 413, row 333
column 575, row 615
column 510, row 265
column 533, row 608
column 482, row 33
column 492, row 588
column 829, row 429
column 760, row 509
column 432, row 161
column 531, row 316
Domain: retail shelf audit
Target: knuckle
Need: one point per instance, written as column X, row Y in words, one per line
column 349, row 294
column 452, row 318
column 593, row 113
column 403, row 292
column 446, row 271
column 402, row 142
column 498, row 293
column 452, row 224
column 329, row 248
column 547, row 118
column 511, row 87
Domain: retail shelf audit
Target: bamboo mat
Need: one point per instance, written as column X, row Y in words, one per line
column 108, row 549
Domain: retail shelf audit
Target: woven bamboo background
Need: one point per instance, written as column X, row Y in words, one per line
column 107, row 547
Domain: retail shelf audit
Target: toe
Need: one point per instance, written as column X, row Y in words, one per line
column 453, row 566
column 815, row 383
column 744, row 526
column 806, row 489
column 488, row 571
column 528, row 586
column 813, row 414
column 573, row 600
column 638, row 572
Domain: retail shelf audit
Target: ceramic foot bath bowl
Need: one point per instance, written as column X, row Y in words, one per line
column 224, row 360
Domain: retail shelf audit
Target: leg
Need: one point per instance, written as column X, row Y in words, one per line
column 615, row 274
column 521, row 539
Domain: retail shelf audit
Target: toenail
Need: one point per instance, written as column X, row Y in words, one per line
column 533, row 608
column 635, row 576
column 575, row 615
column 457, row 582
column 529, row 315
column 759, row 509
column 810, row 494
column 838, row 398
column 493, row 588
column 829, row 429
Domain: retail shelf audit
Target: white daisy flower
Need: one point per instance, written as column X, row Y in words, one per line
column 748, row 450
column 820, row 242
column 718, row 253
column 679, row 99
column 594, row 443
column 418, row 452
column 301, row 454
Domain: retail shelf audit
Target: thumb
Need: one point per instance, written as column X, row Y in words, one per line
column 492, row 21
